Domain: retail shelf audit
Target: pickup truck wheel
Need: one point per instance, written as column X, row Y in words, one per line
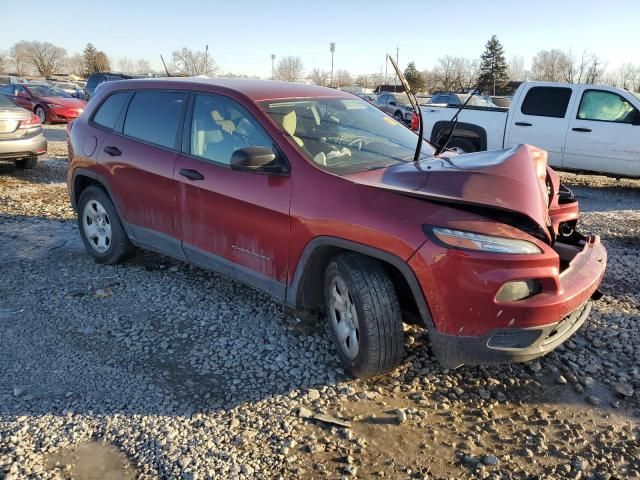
column 26, row 163
column 101, row 229
column 364, row 315
column 398, row 116
column 461, row 145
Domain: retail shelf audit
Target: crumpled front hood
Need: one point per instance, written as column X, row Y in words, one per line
column 512, row 180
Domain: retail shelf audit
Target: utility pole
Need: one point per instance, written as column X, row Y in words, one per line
column 395, row 81
column 273, row 66
column 206, row 59
column 386, row 65
column 332, row 49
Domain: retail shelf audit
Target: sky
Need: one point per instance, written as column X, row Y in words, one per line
column 242, row 35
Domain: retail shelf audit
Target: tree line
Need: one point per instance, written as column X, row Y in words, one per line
column 491, row 71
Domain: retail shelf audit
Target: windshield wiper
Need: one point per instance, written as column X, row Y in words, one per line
column 443, row 145
column 414, row 104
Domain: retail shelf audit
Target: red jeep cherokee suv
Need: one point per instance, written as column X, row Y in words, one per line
column 312, row 195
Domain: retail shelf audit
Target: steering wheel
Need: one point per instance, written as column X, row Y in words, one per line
column 358, row 143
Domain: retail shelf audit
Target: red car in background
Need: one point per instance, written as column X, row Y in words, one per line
column 313, row 196
column 51, row 105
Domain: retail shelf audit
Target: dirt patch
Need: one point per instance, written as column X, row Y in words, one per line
column 92, row 461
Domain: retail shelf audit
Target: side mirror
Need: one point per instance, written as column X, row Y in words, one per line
column 257, row 160
column 23, row 95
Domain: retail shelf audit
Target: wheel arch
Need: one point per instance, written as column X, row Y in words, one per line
column 306, row 291
column 469, row 131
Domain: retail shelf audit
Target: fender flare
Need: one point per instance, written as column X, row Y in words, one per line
column 305, row 267
column 445, row 124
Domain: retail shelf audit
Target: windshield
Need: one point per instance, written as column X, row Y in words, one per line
column 46, row 91
column 345, row 135
column 6, row 102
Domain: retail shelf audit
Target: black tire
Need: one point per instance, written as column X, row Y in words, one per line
column 378, row 314
column 462, row 144
column 398, row 116
column 120, row 247
column 26, row 163
column 41, row 113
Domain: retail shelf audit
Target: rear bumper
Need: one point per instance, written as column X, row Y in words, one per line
column 497, row 346
column 30, row 145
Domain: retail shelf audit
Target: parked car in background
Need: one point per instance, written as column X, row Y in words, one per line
column 582, row 127
column 96, row 79
column 504, row 102
column 66, row 87
column 48, row 103
column 369, row 97
column 8, row 79
column 457, row 99
column 312, row 195
column 21, row 137
column 395, row 104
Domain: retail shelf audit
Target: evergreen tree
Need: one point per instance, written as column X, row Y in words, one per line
column 89, row 55
column 414, row 78
column 494, row 77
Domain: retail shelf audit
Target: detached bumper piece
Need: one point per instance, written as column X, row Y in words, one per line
column 506, row 345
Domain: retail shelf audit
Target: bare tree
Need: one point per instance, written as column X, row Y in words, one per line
column 343, row 78
column 2, row 61
column 191, row 63
column 142, row 66
column 19, row 58
column 75, row 65
column 125, row 65
column 516, row 68
column 102, row 63
column 289, row 69
column 549, row 66
column 45, row 57
column 319, row 77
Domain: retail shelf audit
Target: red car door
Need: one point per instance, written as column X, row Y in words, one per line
column 22, row 97
column 139, row 159
column 232, row 221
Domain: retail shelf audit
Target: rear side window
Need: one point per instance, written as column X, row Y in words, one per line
column 154, row 117
column 108, row 113
column 547, row 102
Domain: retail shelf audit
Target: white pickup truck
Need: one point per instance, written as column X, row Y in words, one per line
column 582, row 127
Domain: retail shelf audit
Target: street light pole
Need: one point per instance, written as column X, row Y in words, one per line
column 332, row 49
column 273, row 66
column 206, row 59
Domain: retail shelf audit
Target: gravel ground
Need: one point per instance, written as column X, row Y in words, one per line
column 156, row 369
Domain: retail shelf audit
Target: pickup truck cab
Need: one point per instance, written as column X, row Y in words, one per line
column 582, row 127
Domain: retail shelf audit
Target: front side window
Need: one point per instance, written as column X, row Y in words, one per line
column 220, row 126
column 546, row 102
column 605, row 106
column 47, row 91
column 154, row 117
column 108, row 113
column 344, row 135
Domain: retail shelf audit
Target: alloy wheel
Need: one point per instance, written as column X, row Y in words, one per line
column 96, row 226
column 344, row 318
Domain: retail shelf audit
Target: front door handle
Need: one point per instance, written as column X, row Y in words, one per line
column 191, row 174
column 113, row 151
column 523, row 124
column 581, row 129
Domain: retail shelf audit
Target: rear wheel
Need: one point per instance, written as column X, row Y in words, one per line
column 364, row 315
column 42, row 115
column 398, row 116
column 26, row 163
column 100, row 227
column 461, row 145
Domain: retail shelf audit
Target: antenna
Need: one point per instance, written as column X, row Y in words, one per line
column 165, row 66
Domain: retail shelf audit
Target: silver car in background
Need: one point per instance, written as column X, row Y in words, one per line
column 22, row 139
column 395, row 104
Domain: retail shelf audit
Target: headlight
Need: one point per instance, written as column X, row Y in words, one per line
column 484, row 243
column 54, row 105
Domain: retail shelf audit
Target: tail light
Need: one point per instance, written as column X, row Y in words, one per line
column 34, row 121
column 415, row 122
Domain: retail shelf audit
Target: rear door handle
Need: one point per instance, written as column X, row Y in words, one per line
column 581, row 129
column 113, row 151
column 524, row 124
column 191, row 174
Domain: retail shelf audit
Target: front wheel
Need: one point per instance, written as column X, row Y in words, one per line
column 364, row 315
column 398, row 116
column 42, row 115
column 100, row 227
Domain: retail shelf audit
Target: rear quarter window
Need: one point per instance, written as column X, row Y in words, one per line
column 108, row 113
column 154, row 117
column 546, row 102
